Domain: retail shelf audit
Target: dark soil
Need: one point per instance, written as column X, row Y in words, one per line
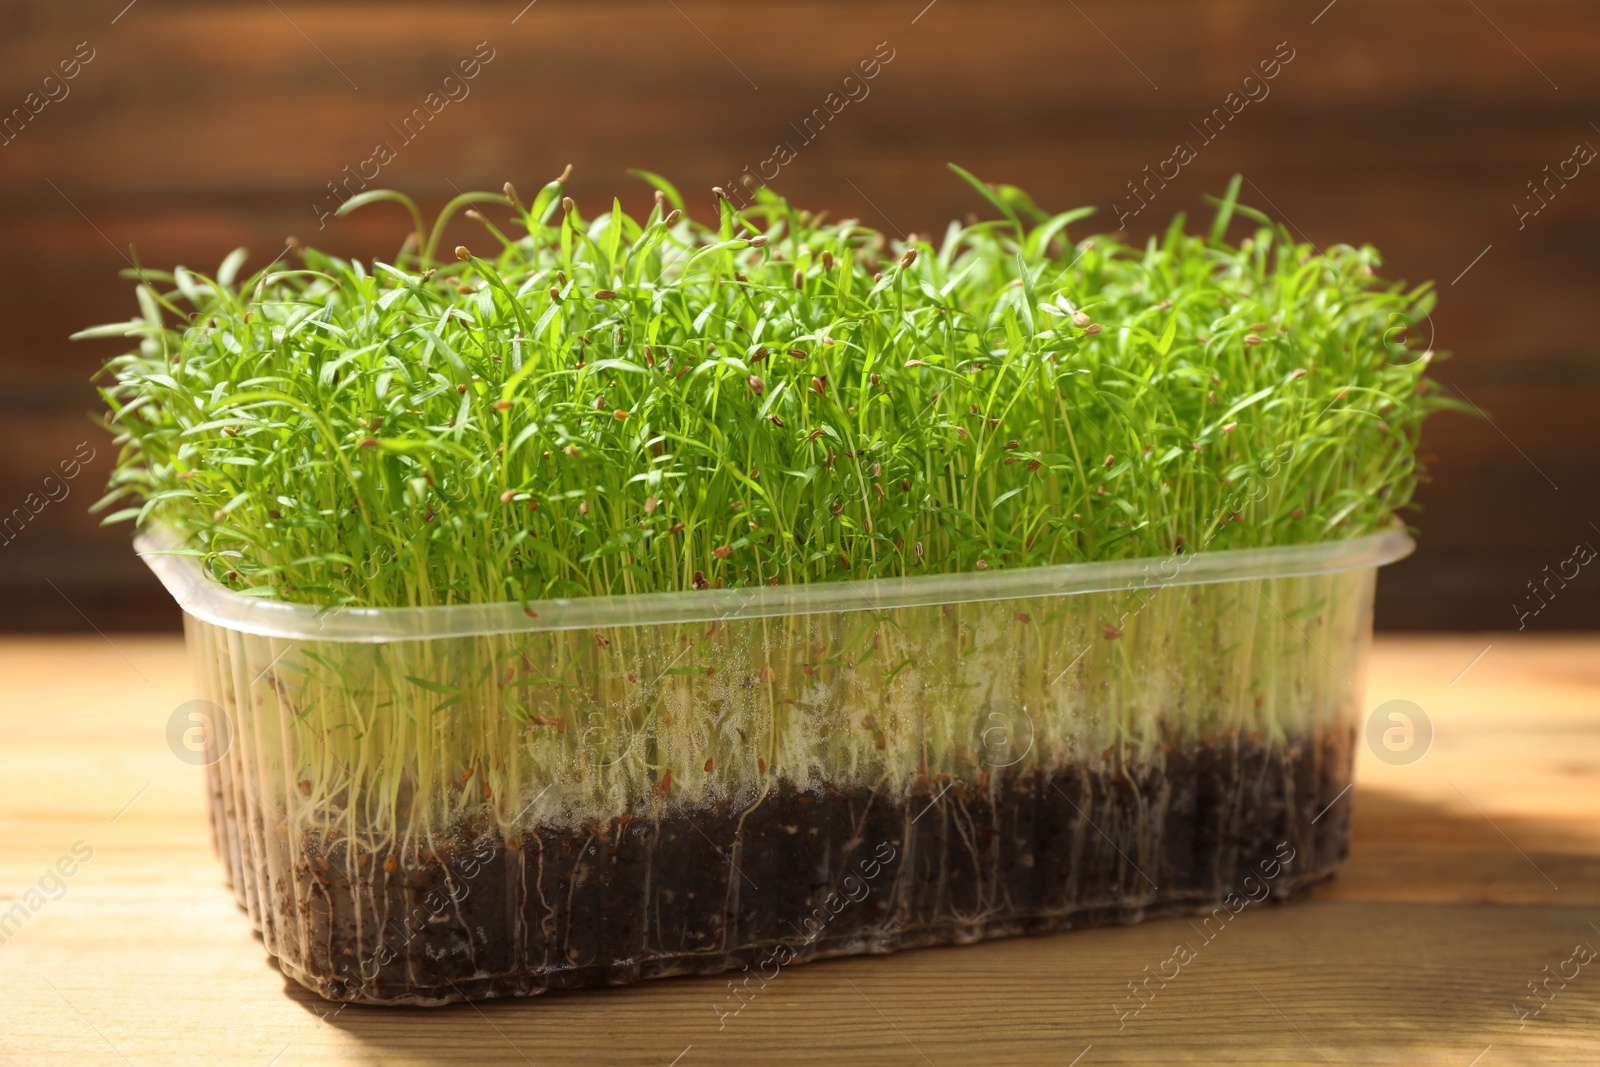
column 801, row 875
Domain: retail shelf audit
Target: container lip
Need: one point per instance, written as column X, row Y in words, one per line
column 210, row 602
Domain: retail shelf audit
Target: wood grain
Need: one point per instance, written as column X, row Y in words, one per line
column 1473, row 869
column 1413, row 125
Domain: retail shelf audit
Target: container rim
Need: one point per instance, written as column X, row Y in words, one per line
column 209, row 602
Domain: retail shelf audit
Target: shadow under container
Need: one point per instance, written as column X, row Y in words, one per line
column 424, row 805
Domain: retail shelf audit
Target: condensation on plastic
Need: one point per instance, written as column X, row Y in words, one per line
column 418, row 806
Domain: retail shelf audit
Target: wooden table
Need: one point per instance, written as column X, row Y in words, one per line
column 1474, row 869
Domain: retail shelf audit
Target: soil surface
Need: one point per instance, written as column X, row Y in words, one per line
column 803, row 875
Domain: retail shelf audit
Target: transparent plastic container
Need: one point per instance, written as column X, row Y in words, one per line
column 422, row 805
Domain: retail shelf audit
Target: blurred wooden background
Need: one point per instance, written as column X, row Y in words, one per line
column 1416, row 125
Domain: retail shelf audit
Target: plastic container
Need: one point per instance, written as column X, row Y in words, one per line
column 421, row 805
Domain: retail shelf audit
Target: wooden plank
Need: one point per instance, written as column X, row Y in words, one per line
column 1414, row 125
column 651, row 81
column 1418, row 954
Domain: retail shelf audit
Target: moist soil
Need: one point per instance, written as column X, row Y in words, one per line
column 802, row 875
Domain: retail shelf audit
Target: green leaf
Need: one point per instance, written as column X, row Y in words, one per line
column 989, row 195
column 435, row 687
column 1164, row 345
column 1225, row 208
column 113, row 329
column 375, row 196
column 658, row 182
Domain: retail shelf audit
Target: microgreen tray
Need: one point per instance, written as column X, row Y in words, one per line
column 421, row 805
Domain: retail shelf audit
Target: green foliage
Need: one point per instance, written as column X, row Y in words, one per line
column 607, row 406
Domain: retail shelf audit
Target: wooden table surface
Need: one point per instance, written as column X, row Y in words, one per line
column 1475, row 871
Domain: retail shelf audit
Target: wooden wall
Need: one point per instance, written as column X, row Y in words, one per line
column 1412, row 124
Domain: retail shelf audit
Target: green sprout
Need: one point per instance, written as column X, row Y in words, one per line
column 608, row 406
column 577, row 408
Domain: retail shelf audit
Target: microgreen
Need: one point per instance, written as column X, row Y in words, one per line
column 588, row 406
column 581, row 406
